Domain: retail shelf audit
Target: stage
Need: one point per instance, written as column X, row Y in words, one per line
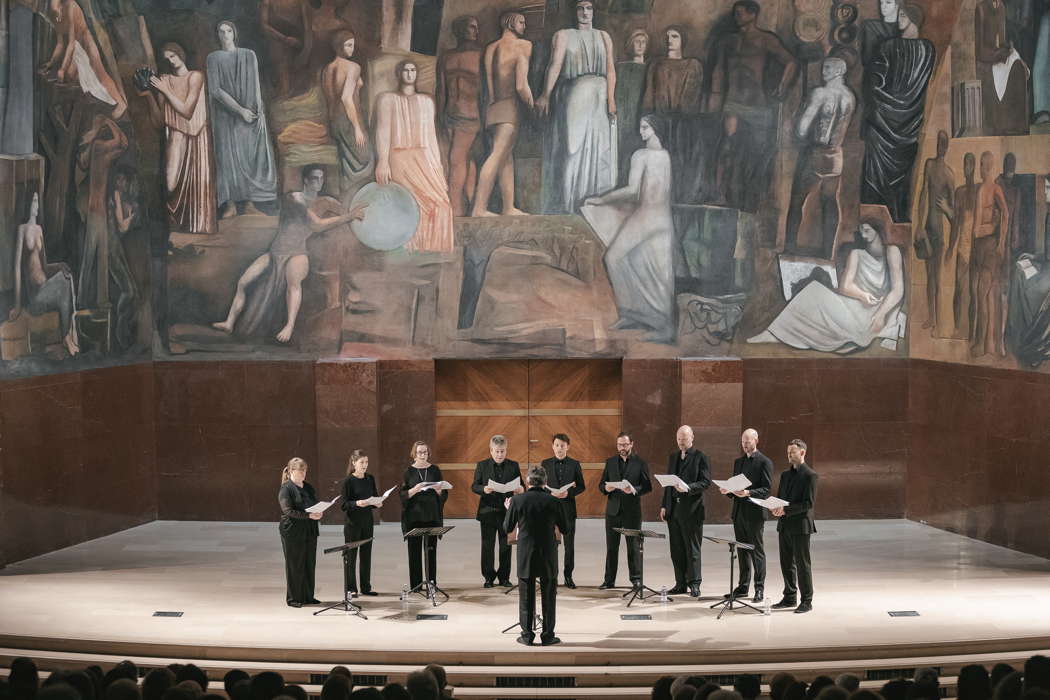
column 227, row 579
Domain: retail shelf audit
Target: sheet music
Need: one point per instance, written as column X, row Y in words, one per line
column 378, row 500
column 625, row 484
column 563, row 489
column 672, row 480
column 512, row 485
column 436, row 486
column 770, row 503
column 322, row 506
column 737, row 483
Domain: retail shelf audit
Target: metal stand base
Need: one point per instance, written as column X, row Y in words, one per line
column 429, row 590
column 732, row 600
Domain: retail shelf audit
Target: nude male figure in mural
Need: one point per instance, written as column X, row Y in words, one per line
column 456, row 97
column 71, row 31
column 507, row 72
column 991, row 226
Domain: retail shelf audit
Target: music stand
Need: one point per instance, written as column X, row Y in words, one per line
column 728, row 603
column 638, row 589
column 428, row 588
column 514, row 543
column 537, row 619
column 346, row 603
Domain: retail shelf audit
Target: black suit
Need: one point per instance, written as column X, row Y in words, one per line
column 798, row 486
column 623, row 510
column 535, row 513
column 749, row 520
column 298, row 540
column 559, row 473
column 684, row 513
column 491, row 513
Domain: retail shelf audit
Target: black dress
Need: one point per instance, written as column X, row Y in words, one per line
column 425, row 509
column 359, row 526
column 299, row 540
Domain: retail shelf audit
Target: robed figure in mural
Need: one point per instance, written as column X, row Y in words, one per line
column 866, row 306
column 407, row 153
column 245, row 168
column 341, row 85
column 635, row 224
column 630, row 88
column 895, row 101
column 579, row 96
column 1003, row 74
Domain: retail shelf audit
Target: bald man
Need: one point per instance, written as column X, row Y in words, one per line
column 683, row 511
column 749, row 520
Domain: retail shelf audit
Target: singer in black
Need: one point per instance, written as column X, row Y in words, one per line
column 683, row 510
column 357, row 487
column 749, row 519
column 298, row 533
column 421, row 507
column 798, row 486
column 623, row 508
column 561, row 470
column 491, row 510
column 536, row 513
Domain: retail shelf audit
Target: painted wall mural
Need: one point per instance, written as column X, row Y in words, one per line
column 542, row 178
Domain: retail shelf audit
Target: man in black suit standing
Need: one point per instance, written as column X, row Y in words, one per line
column 624, row 506
column 491, row 510
column 798, row 486
column 682, row 509
column 749, row 520
column 561, row 470
column 535, row 513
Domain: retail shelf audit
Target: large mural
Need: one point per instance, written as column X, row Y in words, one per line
column 559, row 178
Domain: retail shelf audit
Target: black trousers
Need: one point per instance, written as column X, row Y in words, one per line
column 612, row 547
column 568, row 541
column 300, row 559
column 795, row 564
column 416, row 547
column 684, row 537
column 352, row 532
column 751, row 532
column 490, row 533
column 527, row 605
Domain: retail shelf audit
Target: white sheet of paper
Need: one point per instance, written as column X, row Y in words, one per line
column 563, row 489
column 321, row 506
column 770, row 503
column 378, row 500
column 672, row 480
column 625, row 484
column 739, row 482
column 512, row 485
column 436, row 486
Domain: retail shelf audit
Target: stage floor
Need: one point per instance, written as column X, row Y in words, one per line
column 227, row 579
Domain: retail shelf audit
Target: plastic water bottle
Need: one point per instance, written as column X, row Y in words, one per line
column 663, row 594
column 404, row 593
column 767, row 606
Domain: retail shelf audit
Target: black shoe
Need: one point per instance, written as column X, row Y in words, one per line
column 784, row 603
column 760, row 595
column 489, row 584
column 738, row 592
column 569, row 583
column 313, row 601
column 505, row 583
column 694, row 590
column 369, row 592
column 549, row 642
column 677, row 590
column 527, row 641
column 804, row 608
column 294, row 604
column 606, row 585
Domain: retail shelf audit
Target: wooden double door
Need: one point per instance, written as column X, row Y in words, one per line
column 527, row 401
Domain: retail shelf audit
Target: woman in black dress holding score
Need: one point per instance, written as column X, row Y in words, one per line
column 421, row 508
column 298, row 533
column 358, row 486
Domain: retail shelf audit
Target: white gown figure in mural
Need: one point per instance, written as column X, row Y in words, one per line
column 634, row 222
column 866, row 306
column 580, row 93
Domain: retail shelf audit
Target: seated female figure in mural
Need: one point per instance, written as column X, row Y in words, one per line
column 866, row 306
column 49, row 285
column 285, row 264
column 635, row 224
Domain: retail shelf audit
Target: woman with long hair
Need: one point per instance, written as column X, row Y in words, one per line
column 358, row 487
column 421, row 506
column 298, row 533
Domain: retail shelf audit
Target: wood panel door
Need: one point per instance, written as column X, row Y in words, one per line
column 528, row 401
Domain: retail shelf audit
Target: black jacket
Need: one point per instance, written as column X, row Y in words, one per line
column 490, row 506
column 798, row 486
column 355, row 490
column 571, row 471
column 637, row 473
column 535, row 513
column 294, row 501
column 696, row 472
column 759, row 469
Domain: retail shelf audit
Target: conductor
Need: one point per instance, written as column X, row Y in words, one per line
column 535, row 513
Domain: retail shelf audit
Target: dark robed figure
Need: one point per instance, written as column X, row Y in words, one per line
column 536, row 513
column 749, row 519
column 684, row 511
column 798, row 486
column 623, row 507
column 491, row 509
column 563, row 470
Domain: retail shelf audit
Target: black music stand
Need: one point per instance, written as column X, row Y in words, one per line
column 514, row 543
column 428, row 588
column 346, row 604
column 728, row 603
column 639, row 589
